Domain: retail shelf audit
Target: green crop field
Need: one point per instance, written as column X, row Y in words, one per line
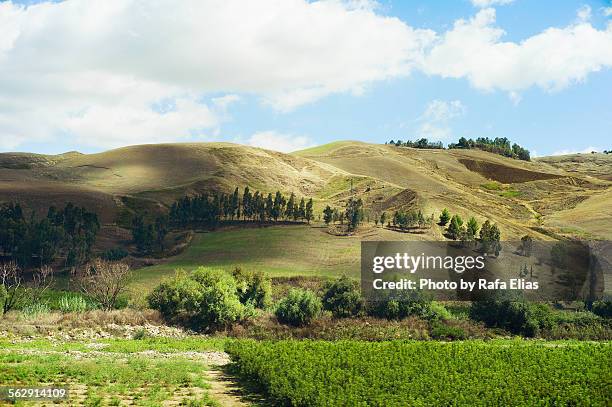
column 317, row 373
column 277, row 251
column 106, row 380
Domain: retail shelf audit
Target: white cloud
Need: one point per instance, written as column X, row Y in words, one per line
column 440, row 110
column 435, row 120
column 607, row 11
column 552, row 59
column 584, row 151
column 223, row 102
column 97, row 71
column 584, row 13
column 96, row 57
column 515, row 97
column 489, row 3
column 272, row 140
column 110, row 126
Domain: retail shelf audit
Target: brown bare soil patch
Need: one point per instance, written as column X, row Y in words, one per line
column 504, row 173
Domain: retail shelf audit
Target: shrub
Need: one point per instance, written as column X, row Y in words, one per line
column 115, row 254
column 439, row 311
column 402, row 305
column 298, row 308
column 602, row 308
column 206, row 299
column 443, row 331
column 253, row 288
column 516, row 316
column 342, row 298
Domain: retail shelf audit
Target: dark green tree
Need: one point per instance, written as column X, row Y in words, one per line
column 444, row 217
column 308, row 212
column 490, row 238
column 353, row 213
column 454, row 228
column 328, row 214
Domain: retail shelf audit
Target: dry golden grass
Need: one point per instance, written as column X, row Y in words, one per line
column 566, row 192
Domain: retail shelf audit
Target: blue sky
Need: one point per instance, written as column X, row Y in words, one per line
column 80, row 76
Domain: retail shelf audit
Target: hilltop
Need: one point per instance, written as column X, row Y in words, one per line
column 544, row 197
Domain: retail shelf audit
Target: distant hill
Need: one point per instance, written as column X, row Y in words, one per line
column 522, row 197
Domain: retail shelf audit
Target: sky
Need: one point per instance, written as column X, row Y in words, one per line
column 290, row 74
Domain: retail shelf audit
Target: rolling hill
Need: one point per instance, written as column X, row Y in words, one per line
column 545, row 197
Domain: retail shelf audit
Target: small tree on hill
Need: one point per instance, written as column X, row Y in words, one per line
column 302, row 209
column 490, row 238
column 308, row 212
column 444, row 217
column 472, row 229
column 161, row 230
column 383, row 218
column 526, row 245
column 454, row 228
column 354, row 213
column 328, row 214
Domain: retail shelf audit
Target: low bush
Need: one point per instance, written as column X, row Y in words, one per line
column 343, row 298
column 402, row 305
column 517, row 316
column 115, row 254
column 253, row 288
column 602, row 308
column 206, row 299
column 298, row 308
column 440, row 330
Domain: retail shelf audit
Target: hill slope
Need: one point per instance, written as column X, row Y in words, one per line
column 520, row 196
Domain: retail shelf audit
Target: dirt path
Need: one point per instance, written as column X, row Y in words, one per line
column 225, row 389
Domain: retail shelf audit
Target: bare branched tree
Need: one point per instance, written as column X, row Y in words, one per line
column 11, row 286
column 104, row 281
column 42, row 278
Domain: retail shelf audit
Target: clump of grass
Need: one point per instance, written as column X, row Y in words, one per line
column 492, row 186
column 511, row 193
column 34, row 310
column 73, row 303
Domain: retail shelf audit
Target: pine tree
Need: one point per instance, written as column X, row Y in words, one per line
column 454, row 228
column 354, row 213
column 444, row 217
column 328, row 214
column 383, row 218
column 290, row 206
column 308, row 213
column 472, row 229
column 490, row 238
column 161, row 230
column 234, row 204
column 276, row 208
column 246, row 203
column 302, row 209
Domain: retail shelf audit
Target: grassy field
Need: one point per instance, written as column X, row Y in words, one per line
column 470, row 373
column 275, row 250
column 148, row 372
